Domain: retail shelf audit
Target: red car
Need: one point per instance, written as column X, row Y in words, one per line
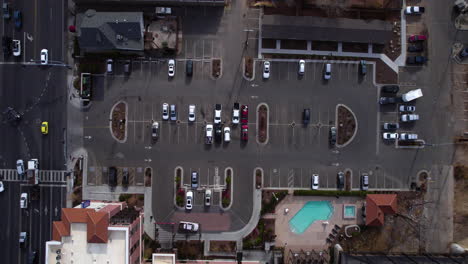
column 244, row 114
column 245, row 133
column 415, row 38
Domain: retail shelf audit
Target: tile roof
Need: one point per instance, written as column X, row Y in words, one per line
column 97, row 227
column 377, row 205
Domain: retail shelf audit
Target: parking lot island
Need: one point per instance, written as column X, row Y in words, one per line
column 347, row 125
column 118, row 119
column 262, row 123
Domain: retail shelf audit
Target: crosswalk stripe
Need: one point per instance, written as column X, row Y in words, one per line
column 44, row 175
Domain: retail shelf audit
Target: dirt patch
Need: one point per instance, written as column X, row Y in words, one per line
column 384, row 74
column 348, row 180
column 223, row 246
column 189, row 249
column 216, row 68
column 248, row 67
column 133, row 200
column 77, row 195
column 460, row 204
column 263, row 232
column 346, row 125
column 262, row 123
column 148, row 173
column 258, row 179
column 118, row 121
column 180, row 192
column 270, row 199
column 355, row 47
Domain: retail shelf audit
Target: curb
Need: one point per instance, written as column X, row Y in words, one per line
column 175, row 185
column 267, row 125
column 126, row 118
column 232, row 189
column 243, row 70
column 336, row 122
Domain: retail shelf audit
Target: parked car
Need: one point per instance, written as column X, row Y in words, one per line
column 408, row 136
column 364, row 182
column 2, row 187
column 189, row 68
column 266, row 69
column 416, row 47
column 409, row 117
column 244, row 114
column 125, row 177
column 416, row 38
column 227, row 134
column 165, row 111
column 387, row 100
column 113, row 176
column 416, row 60
column 235, row 114
column 194, row 179
column 6, row 10
column 245, row 132
column 391, row 126
column 23, row 239
column 301, row 69
column 110, row 66
column 218, row 132
column 20, row 167
column 327, row 72
column 306, row 116
column 314, row 182
column 390, row 89
column 155, row 130
column 340, row 180
column 171, row 68
column 191, row 114
column 127, row 67
column 209, row 134
column 188, row 200
column 173, row 112
column 332, row 136
column 44, row 56
column 390, row 136
column 363, row 67
column 207, row 197
column 16, row 48
column 414, row 10
column 24, row 200
column 407, row 108
column 17, row 17
column 217, row 114
column 188, row 227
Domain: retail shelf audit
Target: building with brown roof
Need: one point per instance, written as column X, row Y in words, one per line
column 101, row 233
column 379, row 205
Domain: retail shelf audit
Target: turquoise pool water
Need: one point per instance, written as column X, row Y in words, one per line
column 312, row 211
column 350, row 211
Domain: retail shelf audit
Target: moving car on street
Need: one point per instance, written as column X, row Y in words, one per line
column 6, row 10
column 20, row 167
column 17, row 16
column 45, row 128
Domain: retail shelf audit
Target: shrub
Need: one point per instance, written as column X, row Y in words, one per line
column 330, row 193
column 271, row 205
column 228, row 182
column 177, row 179
column 225, row 202
column 179, row 201
column 124, row 197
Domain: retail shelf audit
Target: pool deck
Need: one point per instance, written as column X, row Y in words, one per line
column 315, row 236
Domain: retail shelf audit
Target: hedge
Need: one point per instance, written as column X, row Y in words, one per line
column 330, row 193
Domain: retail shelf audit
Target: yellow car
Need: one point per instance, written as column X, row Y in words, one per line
column 45, row 128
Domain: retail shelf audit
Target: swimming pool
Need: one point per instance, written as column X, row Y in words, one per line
column 312, row 211
column 349, row 211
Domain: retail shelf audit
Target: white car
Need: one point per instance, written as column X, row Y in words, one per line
column 189, row 200
column 390, row 136
column 235, row 114
column 191, row 113
column 207, row 197
column 188, row 227
column 165, row 111
column 407, row 108
column 171, row 68
column 16, row 48
column 227, row 134
column 266, row 69
column 315, row 182
column 301, row 67
column 44, row 56
column 209, row 134
column 327, row 72
column 409, row 117
column 414, row 10
column 217, row 114
column 154, row 130
column 2, row 188
column 408, row 136
column 24, row 200
column 20, row 166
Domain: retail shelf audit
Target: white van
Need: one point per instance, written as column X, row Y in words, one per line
column 301, row 67
column 327, row 72
column 110, row 64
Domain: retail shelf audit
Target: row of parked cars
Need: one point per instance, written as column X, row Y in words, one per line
column 340, row 181
column 416, row 44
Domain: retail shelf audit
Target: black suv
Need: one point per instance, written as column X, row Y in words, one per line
column 218, row 132
column 306, row 116
column 113, row 176
column 189, row 68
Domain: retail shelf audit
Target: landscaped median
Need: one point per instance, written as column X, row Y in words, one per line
column 226, row 199
column 347, row 125
column 118, row 120
column 262, row 123
column 331, row 193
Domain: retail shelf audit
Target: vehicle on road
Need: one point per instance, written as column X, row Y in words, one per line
column 411, row 95
column 416, row 38
column 391, row 126
column 155, row 130
column 16, row 48
column 173, row 112
column 110, row 66
column 306, row 116
column 209, row 134
column 33, row 171
column 407, row 108
column 408, row 136
column 244, row 114
column 340, row 180
column 388, row 100
column 235, row 114
column 416, row 47
column 191, row 113
column 227, row 134
column 189, row 68
column 194, row 179
column 44, row 56
column 112, row 176
column 20, row 167
column 6, row 10
column 364, row 182
column 188, row 200
column 165, row 111
column 245, row 133
column 12, row 114
column 332, row 136
column 416, row 60
column 207, row 197
column 390, row 89
column 314, row 182
column 327, row 72
column 17, row 17
column 390, row 136
column 218, row 130
column 266, row 69
column 409, row 117
column 414, row 10
column 23, row 239
column 2, row 187
column 45, row 128
column 217, row 114
column 171, row 68
column 24, row 200
column 301, row 69
column 188, row 227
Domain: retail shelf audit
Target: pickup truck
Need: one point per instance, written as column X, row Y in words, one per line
column 188, row 227
column 209, row 134
column 416, row 60
column 414, row 10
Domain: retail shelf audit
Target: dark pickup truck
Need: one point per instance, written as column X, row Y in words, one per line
column 416, row 60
